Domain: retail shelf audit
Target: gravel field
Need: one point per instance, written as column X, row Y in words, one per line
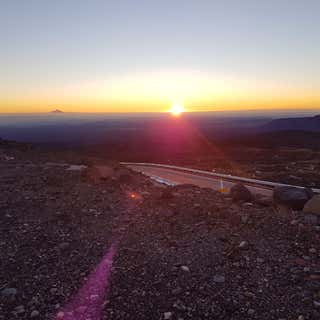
column 179, row 252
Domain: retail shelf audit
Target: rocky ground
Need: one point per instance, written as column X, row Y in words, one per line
column 286, row 165
column 294, row 166
column 182, row 252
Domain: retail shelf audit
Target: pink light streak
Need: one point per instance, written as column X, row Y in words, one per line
column 87, row 304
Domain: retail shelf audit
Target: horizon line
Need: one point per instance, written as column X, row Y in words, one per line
column 163, row 112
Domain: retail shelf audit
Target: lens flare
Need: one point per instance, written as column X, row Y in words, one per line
column 88, row 302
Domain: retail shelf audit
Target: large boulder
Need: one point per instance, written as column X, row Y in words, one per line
column 239, row 192
column 313, row 205
column 292, row 197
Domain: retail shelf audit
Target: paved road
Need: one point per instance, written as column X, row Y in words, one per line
column 180, row 177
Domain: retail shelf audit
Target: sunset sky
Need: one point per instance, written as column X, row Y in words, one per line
column 133, row 55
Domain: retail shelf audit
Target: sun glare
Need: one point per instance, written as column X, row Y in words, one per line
column 177, row 109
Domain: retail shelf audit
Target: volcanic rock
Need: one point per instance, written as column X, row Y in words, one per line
column 240, row 193
column 313, row 205
column 219, row 279
column 292, row 197
column 34, row 314
column 9, row 292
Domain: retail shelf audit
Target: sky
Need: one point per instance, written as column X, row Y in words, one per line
column 121, row 56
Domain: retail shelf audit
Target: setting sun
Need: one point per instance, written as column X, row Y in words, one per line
column 177, row 109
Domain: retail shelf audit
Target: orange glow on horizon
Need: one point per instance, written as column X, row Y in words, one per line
column 81, row 107
column 154, row 91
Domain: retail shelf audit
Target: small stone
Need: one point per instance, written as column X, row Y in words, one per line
column 243, row 245
column 60, row 315
column 9, row 292
column 248, row 204
column 185, row 268
column 251, row 312
column 34, row 301
column 301, row 317
column 176, row 291
column 311, row 219
column 312, row 250
column 244, row 218
column 75, row 167
column 64, row 245
column 249, row 294
column 219, row 279
column 19, row 309
column 167, row 315
column 179, row 305
column 53, row 291
column 34, row 314
column 81, row 309
column 316, row 304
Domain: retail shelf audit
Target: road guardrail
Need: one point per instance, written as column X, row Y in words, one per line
column 228, row 177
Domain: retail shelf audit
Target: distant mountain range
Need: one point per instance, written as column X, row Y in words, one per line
column 304, row 124
column 275, row 139
column 56, row 111
column 166, row 135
